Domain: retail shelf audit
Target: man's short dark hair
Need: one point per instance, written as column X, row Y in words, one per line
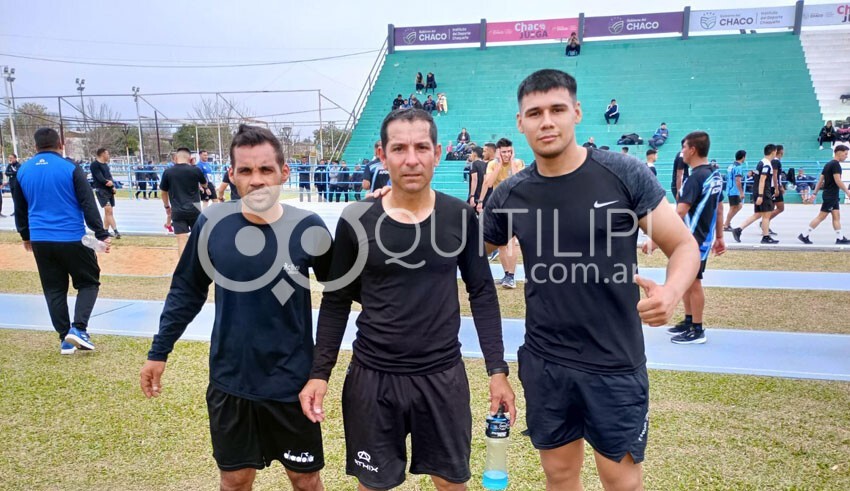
column 780, row 148
column 201, row 151
column 183, row 149
column 504, row 142
column 409, row 115
column 651, row 151
column 45, row 139
column 740, row 154
column 769, row 149
column 479, row 152
column 625, row 149
column 251, row 136
column 604, row 147
column 841, row 148
column 544, row 81
column 100, row 151
column 700, row 141
column 490, row 145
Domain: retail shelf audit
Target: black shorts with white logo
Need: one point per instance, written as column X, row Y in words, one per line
column 252, row 434
column 702, row 266
column 734, row 200
column 212, row 196
column 380, row 409
column 766, row 206
column 105, row 197
column 563, row 405
column 829, row 204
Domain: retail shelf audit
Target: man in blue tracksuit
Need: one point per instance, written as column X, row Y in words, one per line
column 53, row 205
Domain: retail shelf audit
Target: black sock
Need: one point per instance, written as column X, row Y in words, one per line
column 511, row 275
column 689, row 319
column 697, row 326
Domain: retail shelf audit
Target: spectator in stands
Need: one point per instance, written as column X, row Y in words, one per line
column 344, row 182
column 589, row 143
column 827, row 134
column 605, row 147
column 804, row 186
column 320, row 179
column 420, row 84
column 450, row 150
column 659, row 137
column 462, row 140
column 624, row 150
column 430, row 82
column 651, row 157
column 398, row 102
column 613, row 112
column 416, row 104
column 573, row 46
column 442, row 104
column 334, row 181
column 430, row 105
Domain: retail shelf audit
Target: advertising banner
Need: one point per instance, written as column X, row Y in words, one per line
column 834, row 14
column 735, row 19
column 630, row 25
column 422, row 35
column 531, row 30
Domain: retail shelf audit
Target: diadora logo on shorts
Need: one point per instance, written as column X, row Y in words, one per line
column 645, row 428
column 290, row 268
column 364, row 460
column 303, row 458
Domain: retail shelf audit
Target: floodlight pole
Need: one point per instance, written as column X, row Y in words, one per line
column 139, row 118
column 61, row 127
column 8, row 78
column 321, row 140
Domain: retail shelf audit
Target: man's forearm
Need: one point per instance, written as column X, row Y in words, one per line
column 681, row 267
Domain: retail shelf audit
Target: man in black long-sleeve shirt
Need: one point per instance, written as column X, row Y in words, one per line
column 53, row 203
column 259, row 253
column 104, row 188
column 406, row 375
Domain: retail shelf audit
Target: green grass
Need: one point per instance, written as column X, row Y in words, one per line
column 707, row 431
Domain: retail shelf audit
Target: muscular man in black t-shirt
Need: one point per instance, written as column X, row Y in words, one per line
column 259, row 254
column 680, row 173
column 830, row 181
column 762, row 198
column 576, row 212
column 478, row 169
column 181, row 196
column 402, row 253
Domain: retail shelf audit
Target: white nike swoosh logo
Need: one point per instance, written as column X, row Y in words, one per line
column 600, row 205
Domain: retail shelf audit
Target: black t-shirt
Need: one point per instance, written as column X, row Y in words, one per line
column 776, row 165
column 830, row 187
column 580, row 296
column 377, row 176
column 763, row 168
column 181, row 183
column 100, row 173
column 234, row 193
column 411, row 315
column 703, row 190
column 262, row 337
column 679, row 163
column 479, row 168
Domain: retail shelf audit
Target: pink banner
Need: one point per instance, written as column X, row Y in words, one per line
column 531, row 30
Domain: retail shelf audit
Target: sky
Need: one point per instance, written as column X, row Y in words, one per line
column 183, row 33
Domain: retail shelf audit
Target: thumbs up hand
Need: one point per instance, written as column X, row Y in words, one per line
column 657, row 308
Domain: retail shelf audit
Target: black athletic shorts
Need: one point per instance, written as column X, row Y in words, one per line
column 734, row 200
column 563, row 404
column 184, row 225
column 829, row 204
column 380, row 409
column 778, row 198
column 211, row 196
column 104, row 197
column 765, row 206
column 702, row 265
column 252, row 434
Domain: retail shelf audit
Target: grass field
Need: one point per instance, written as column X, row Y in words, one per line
column 86, row 412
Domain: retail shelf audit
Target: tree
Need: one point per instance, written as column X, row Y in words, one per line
column 333, row 140
column 215, row 114
column 186, row 134
column 104, row 129
column 29, row 117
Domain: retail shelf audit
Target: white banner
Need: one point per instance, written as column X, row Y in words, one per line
column 833, row 14
column 734, row 19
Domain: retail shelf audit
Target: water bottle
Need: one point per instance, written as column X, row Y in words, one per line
column 93, row 244
column 496, row 438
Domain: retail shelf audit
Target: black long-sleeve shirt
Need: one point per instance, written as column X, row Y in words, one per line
column 407, row 286
column 262, row 339
column 100, row 173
